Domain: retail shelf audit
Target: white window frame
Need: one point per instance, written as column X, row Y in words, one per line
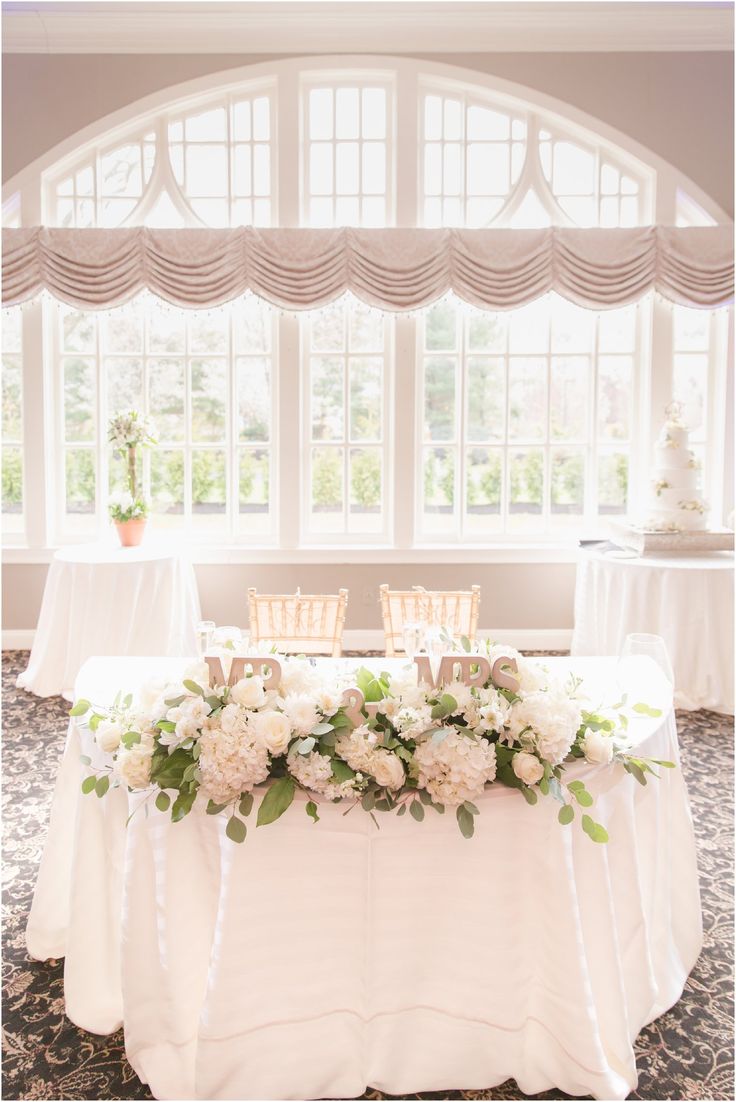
column 30, row 190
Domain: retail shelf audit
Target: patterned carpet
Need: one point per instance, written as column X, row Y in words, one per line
column 687, row 1054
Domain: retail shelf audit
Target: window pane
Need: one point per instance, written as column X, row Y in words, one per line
column 166, row 329
column 526, row 489
column 567, row 476
column 320, row 169
column 691, row 329
column 483, row 487
column 122, row 332
column 252, row 326
column 529, row 327
column 208, row 333
column 80, row 482
column 166, row 390
column 347, row 171
column 121, row 172
column 206, row 168
column 569, row 397
column 613, row 480
column 167, row 485
column 347, row 113
column 527, row 398
column 439, row 398
column 328, row 420
column 438, row 469
column 208, row 489
column 253, row 491
column 320, row 113
column 124, row 378
column 440, row 328
column 486, row 399
column 254, row 399
column 690, row 386
column 206, row 126
column 487, row 332
column 327, row 489
column 209, row 400
column 12, row 488
column 365, row 491
column 12, row 386
column 614, row 396
column 616, row 330
column 573, row 170
column 366, row 330
column 79, row 332
column 374, row 113
column 366, row 398
column 79, row 399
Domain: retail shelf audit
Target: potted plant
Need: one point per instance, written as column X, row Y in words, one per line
column 128, row 508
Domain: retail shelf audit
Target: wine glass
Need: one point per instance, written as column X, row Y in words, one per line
column 413, row 637
column 204, row 629
column 644, row 668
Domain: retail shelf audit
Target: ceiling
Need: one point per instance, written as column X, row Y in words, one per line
column 382, row 26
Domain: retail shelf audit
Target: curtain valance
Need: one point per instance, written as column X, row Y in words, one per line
column 393, row 269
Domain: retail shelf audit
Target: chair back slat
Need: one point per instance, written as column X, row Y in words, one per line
column 300, row 623
column 455, row 610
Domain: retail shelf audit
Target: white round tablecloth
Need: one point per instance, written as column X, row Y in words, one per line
column 318, row 959
column 686, row 600
column 105, row 599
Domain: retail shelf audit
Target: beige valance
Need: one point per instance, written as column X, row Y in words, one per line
column 393, row 269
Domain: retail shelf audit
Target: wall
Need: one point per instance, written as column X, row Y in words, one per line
column 526, row 597
column 680, row 105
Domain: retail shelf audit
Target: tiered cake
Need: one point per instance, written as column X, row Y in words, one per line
column 675, row 488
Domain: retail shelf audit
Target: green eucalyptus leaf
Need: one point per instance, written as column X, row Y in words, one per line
column 465, row 821
column 424, row 796
column 465, row 643
column 306, row 745
column 529, row 794
column 246, row 804
column 101, row 785
column 645, row 710
column 341, row 771
column 88, row 784
column 416, row 810
column 471, row 808
column 85, row 760
column 322, row 729
column 276, row 801
column 566, row 814
column 182, row 805
column 95, row 722
column 311, row 810
column 163, row 801
column 595, row 831
column 583, row 797
column 213, row 808
column 402, row 810
column 368, row 802
column 175, row 701
column 80, row 707
column 193, row 687
column 236, row 829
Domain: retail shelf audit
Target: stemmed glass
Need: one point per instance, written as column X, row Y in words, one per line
column 644, row 668
column 204, row 629
column 413, row 637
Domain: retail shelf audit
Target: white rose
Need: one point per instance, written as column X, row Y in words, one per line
column 249, row 692
column 387, row 769
column 598, row 748
column 274, row 731
column 527, row 768
column 108, row 735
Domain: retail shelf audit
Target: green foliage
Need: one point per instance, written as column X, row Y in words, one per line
column 311, row 810
column 277, row 799
column 80, row 708
column 365, row 478
column 236, row 829
column 12, row 478
column 327, row 478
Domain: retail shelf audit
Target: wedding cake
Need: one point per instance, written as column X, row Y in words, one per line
column 675, row 487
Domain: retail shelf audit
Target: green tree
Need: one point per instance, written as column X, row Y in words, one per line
column 12, row 479
column 365, row 478
column 327, row 479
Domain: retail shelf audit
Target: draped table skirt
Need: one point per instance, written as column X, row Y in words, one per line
column 319, row 959
column 686, row 600
column 105, row 599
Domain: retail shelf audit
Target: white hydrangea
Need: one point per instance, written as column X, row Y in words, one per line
column 133, row 763
column 231, row 761
column 358, row 748
column 314, row 772
column 455, row 769
column 411, row 722
column 299, row 677
column 553, row 719
column 302, row 712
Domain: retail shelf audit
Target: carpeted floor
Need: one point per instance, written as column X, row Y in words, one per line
column 686, row 1054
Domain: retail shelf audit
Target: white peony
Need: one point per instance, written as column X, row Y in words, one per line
column 108, row 735
column 298, row 677
column 387, row 769
column 249, row 692
column 455, row 769
column 358, row 748
column 302, row 711
column 598, row 748
column 133, row 764
column 329, row 701
column 274, row 731
column 527, row 767
column 548, row 721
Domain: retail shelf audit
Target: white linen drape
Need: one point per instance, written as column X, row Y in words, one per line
column 392, row 269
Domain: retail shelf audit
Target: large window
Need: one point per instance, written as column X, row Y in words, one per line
column 534, row 425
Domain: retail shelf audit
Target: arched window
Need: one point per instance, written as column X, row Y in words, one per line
column 484, row 427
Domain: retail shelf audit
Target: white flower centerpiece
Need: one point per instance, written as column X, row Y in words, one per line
column 391, row 744
column 127, row 432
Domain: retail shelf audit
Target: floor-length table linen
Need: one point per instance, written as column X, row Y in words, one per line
column 101, row 598
column 321, row 958
column 688, row 600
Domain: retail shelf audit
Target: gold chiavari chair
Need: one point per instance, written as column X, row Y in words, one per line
column 300, row 623
column 455, row 610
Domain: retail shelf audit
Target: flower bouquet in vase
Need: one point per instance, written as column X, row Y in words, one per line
column 128, row 508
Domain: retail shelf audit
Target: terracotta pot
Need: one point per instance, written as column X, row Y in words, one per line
column 130, row 532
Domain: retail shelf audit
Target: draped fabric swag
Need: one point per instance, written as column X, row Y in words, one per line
column 392, row 269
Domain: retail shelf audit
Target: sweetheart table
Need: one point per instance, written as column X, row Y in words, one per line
column 318, row 959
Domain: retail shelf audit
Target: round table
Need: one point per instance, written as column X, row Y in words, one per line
column 319, row 959
column 101, row 598
column 688, row 600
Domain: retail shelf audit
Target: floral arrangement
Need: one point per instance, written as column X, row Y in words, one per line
column 406, row 746
column 127, row 432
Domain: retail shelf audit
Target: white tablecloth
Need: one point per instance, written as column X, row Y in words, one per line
column 688, row 601
column 106, row 599
column 317, row 959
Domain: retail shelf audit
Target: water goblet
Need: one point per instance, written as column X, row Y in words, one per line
column 204, row 630
column 644, row 668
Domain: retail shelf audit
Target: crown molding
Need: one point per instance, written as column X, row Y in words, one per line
column 283, row 26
